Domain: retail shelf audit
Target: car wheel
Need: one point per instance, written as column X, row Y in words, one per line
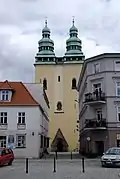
column 10, row 162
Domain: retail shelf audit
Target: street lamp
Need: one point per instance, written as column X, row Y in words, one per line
column 88, row 140
column 76, row 101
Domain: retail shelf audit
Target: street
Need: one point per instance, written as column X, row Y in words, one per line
column 65, row 169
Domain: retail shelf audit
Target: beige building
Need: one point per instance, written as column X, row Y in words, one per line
column 59, row 76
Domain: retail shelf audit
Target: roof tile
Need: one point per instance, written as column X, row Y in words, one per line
column 20, row 94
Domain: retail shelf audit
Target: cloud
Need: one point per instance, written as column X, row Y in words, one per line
column 21, row 23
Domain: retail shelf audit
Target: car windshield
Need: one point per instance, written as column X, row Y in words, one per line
column 112, row 151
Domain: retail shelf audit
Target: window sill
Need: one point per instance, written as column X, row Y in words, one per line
column 21, row 126
column 59, row 112
column 3, row 126
column 74, row 88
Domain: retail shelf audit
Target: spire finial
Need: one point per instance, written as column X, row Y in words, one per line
column 46, row 21
column 73, row 21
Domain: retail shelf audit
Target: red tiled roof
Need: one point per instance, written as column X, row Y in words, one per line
column 5, row 85
column 20, row 94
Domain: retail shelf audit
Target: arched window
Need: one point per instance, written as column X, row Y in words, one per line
column 59, row 106
column 45, row 84
column 73, row 83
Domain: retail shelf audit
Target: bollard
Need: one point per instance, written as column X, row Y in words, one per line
column 26, row 165
column 54, row 170
column 71, row 155
column 56, row 155
column 83, row 165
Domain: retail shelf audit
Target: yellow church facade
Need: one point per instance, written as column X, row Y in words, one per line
column 59, row 76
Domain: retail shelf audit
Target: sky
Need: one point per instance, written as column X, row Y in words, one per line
column 21, row 23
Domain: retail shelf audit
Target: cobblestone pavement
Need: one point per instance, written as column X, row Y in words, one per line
column 66, row 169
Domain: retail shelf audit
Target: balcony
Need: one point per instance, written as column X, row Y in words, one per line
column 3, row 126
column 95, row 123
column 21, row 126
column 97, row 97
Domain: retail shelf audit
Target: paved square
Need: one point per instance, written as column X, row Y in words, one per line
column 66, row 169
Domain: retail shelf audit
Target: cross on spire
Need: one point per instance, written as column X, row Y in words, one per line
column 46, row 21
column 73, row 21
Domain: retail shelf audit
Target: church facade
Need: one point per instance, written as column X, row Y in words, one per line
column 59, row 76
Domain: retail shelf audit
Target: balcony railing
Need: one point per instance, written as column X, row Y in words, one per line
column 21, row 126
column 95, row 96
column 95, row 123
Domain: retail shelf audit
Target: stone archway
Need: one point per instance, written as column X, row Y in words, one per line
column 59, row 143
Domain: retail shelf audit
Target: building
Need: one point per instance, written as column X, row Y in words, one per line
column 24, row 118
column 99, row 102
column 59, row 76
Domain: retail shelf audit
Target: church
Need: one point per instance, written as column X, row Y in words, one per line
column 59, row 76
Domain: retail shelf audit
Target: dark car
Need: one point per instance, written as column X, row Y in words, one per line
column 6, row 156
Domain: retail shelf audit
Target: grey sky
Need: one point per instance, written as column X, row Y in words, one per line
column 21, row 22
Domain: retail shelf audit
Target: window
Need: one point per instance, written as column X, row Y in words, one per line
column 11, row 139
column 4, row 95
column 73, row 83
column 21, row 118
column 96, row 68
column 45, row 84
column 97, row 86
column 118, row 114
column 58, row 78
column 47, row 142
column 118, row 89
column 59, row 106
column 99, row 114
column 41, row 141
column 117, row 66
column 3, row 118
column 44, row 141
column 2, row 141
column 21, row 141
column 118, row 143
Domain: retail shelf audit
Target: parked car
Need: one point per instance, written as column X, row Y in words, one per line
column 111, row 157
column 6, row 156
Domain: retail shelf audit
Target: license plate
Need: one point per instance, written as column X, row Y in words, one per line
column 109, row 162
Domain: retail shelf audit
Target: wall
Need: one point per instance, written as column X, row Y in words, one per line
column 108, row 77
column 62, row 91
column 33, row 122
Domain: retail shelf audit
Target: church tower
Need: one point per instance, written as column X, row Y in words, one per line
column 73, row 46
column 59, row 76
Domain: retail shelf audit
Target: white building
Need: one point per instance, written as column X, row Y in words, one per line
column 24, row 118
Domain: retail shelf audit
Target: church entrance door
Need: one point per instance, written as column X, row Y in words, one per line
column 60, row 145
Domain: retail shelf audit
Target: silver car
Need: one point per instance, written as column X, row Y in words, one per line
column 111, row 157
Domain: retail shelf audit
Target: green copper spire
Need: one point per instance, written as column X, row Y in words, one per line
column 46, row 46
column 73, row 45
